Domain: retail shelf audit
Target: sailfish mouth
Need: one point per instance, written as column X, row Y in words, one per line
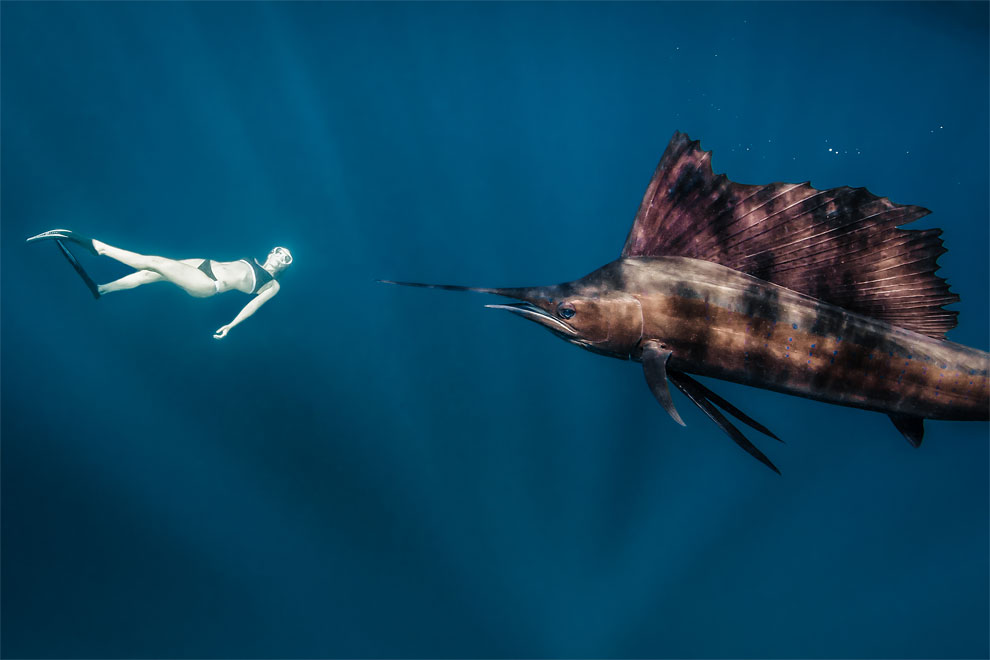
column 541, row 316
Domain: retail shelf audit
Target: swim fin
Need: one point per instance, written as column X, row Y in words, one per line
column 66, row 235
column 90, row 284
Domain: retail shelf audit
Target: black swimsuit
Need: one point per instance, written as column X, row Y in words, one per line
column 208, row 269
column 261, row 276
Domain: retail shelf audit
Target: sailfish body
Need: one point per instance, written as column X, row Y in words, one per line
column 725, row 324
column 812, row 293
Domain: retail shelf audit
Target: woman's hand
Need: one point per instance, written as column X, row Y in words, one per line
column 222, row 332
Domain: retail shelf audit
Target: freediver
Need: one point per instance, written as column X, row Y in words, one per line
column 200, row 278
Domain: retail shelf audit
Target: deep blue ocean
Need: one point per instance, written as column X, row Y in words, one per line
column 362, row 470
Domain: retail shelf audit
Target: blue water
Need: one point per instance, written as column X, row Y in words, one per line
column 369, row 471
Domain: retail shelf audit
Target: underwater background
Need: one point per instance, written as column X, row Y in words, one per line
column 362, row 470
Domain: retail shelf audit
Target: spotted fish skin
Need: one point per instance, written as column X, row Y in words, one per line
column 722, row 323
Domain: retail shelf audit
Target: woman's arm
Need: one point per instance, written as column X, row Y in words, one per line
column 249, row 309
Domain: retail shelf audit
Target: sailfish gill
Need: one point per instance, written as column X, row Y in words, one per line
column 814, row 293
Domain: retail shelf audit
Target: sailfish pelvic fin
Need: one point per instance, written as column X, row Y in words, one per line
column 695, row 391
column 677, row 376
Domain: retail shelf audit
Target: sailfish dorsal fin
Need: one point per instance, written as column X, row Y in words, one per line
column 841, row 245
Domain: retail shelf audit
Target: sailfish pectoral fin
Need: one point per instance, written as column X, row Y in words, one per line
column 697, row 393
column 655, row 358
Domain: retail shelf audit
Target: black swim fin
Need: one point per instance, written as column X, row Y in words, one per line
column 66, row 235
column 90, row 284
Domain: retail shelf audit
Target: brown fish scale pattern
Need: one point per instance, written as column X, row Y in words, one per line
column 841, row 245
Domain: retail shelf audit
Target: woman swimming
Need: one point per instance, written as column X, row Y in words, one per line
column 200, row 278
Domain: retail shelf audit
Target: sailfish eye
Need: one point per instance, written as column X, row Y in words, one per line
column 566, row 310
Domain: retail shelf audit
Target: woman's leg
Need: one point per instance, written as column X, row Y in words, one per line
column 130, row 281
column 180, row 273
column 137, row 279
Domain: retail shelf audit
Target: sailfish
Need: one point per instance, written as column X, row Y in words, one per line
column 813, row 293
